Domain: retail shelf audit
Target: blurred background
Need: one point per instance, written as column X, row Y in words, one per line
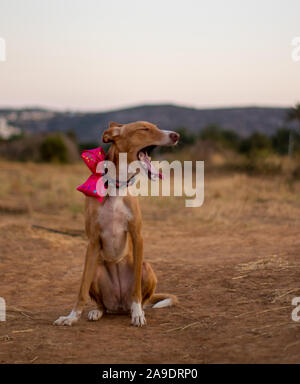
column 222, row 75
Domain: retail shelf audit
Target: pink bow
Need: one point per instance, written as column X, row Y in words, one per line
column 94, row 185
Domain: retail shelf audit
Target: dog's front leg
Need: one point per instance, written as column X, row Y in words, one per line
column 87, row 278
column 137, row 314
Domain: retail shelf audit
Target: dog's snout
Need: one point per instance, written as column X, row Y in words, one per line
column 174, row 137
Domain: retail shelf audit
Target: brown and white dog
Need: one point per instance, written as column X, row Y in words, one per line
column 115, row 275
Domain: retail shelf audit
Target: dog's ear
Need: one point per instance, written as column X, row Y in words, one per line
column 112, row 132
column 113, row 124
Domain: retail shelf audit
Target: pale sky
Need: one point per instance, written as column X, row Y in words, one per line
column 99, row 55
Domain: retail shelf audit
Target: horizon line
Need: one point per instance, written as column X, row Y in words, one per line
column 139, row 105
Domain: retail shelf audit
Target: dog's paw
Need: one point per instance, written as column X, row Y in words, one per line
column 138, row 320
column 67, row 320
column 137, row 315
column 95, row 314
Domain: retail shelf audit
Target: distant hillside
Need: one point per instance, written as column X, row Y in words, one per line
column 89, row 126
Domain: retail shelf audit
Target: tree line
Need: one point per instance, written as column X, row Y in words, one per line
column 284, row 141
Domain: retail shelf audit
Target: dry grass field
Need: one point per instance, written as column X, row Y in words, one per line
column 234, row 264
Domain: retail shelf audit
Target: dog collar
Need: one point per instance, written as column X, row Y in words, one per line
column 119, row 183
column 94, row 185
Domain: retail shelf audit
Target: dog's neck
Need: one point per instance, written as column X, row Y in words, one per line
column 113, row 156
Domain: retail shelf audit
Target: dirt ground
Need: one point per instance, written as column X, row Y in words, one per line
column 233, row 263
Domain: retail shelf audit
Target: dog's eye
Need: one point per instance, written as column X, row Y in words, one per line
column 144, row 129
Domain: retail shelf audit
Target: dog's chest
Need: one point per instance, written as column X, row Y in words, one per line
column 113, row 218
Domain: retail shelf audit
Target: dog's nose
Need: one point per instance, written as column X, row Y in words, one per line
column 174, row 137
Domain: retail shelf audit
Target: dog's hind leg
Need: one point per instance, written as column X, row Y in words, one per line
column 149, row 282
column 96, row 314
column 151, row 299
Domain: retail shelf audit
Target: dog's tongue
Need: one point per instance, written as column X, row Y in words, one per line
column 151, row 169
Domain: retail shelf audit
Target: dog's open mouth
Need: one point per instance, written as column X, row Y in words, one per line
column 144, row 155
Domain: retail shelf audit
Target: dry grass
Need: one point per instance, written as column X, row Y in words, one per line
column 44, row 192
column 51, row 189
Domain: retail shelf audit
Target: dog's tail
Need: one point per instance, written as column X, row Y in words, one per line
column 161, row 300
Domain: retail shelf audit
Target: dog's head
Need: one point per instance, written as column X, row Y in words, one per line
column 138, row 140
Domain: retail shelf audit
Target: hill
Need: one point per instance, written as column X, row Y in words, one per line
column 89, row 126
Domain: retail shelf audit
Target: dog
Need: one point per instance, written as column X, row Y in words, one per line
column 115, row 275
